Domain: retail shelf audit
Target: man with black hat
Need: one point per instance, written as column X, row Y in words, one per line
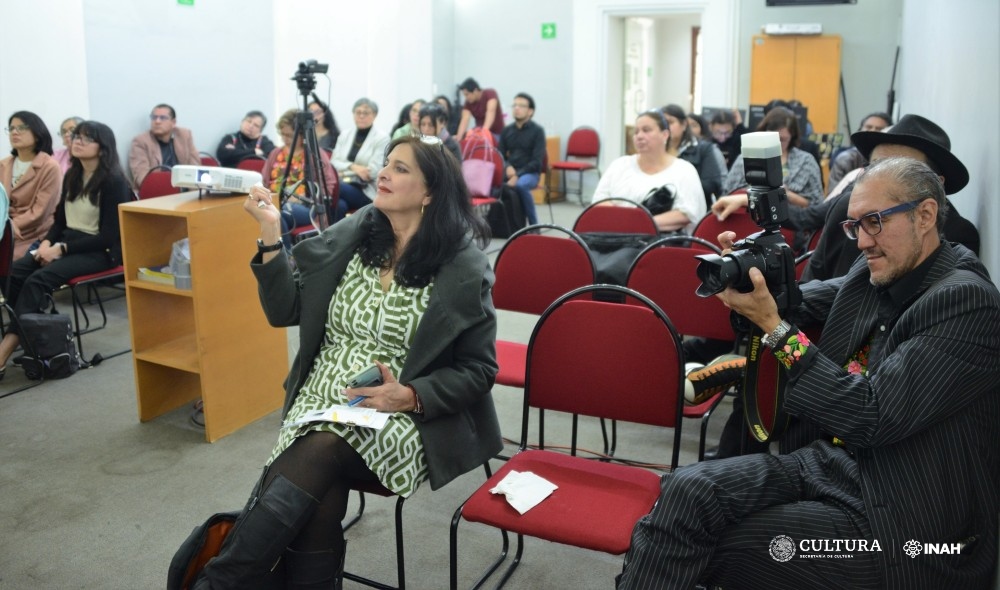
column 914, row 137
column 902, row 490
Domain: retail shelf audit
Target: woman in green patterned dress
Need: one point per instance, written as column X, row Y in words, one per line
column 404, row 284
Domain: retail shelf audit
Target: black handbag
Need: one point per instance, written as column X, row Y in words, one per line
column 660, row 200
column 203, row 544
column 49, row 345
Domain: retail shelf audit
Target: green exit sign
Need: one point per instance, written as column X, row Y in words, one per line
column 186, row 2
column 548, row 30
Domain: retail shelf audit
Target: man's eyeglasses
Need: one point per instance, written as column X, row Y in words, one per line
column 872, row 223
column 361, row 113
column 159, row 117
column 17, row 129
column 518, row 105
column 82, row 139
column 68, row 131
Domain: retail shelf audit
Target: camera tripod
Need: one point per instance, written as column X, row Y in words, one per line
column 312, row 175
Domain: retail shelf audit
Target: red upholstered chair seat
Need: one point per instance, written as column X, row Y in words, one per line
column 595, row 506
column 513, row 360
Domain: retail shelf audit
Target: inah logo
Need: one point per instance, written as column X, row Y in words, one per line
column 912, row 548
column 782, row 548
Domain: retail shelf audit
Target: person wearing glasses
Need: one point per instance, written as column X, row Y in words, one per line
column 402, row 285
column 409, row 119
column 32, row 179
column 912, row 137
column 248, row 142
column 84, row 237
column 165, row 144
column 66, row 130
column 903, row 388
column 433, row 123
column 358, row 157
column 522, row 145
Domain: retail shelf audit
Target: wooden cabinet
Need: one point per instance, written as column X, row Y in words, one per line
column 212, row 341
column 805, row 68
column 552, row 147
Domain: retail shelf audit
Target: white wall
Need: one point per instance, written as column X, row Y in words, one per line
column 500, row 45
column 43, row 65
column 950, row 73
column 672, row 64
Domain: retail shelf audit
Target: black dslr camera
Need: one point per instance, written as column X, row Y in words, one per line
column 765, row 250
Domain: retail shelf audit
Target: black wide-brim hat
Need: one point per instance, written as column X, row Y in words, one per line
column 918, row 133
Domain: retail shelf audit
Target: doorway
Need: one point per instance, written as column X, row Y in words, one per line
column 660, row 62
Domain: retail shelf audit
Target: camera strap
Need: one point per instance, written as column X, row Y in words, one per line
column 763, row 391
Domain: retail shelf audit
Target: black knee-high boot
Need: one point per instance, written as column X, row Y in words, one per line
column 314, row 570
column 268, row 524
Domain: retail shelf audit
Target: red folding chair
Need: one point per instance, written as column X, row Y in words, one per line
column 615, row 215
column 156, row 184
column 584, row 142
column 740, row 222
column 252, row 163
column 704, row 317
column 208, row 159
column 92, row 284
column 598, row 359
column 533, row 270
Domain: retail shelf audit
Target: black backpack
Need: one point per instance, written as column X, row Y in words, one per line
column 49, row 346
column 508, row 218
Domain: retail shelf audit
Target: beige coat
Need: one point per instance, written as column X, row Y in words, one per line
column 33, row 201
column 144, row 154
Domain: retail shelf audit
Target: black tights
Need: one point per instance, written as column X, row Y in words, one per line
column 323, row 465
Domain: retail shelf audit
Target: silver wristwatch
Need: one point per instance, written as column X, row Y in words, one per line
column 777, row 336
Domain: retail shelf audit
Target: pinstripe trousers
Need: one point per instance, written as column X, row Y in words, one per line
column 714, row 523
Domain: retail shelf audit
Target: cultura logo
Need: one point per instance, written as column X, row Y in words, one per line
column 912, row 548
column 782, row 548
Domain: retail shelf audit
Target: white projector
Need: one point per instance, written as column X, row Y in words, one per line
column 214, row 178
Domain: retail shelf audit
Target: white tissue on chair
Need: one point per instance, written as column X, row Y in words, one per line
column 524, row 490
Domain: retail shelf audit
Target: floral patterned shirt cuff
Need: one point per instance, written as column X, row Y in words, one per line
column 794, row 349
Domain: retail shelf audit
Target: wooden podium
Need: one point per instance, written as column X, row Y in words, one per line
column 211, row 341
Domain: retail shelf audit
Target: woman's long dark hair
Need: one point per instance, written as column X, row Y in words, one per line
column 448, row 222
column 328, row 121
column 677, row 112
column 107, row 164
column 43, row 139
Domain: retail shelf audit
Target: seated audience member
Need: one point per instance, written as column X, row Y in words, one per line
column 802, row 176
column 480, row 104
column 403, row 283
column 32, row 179
column 402, row 119
column 904, row 385
column 522, row 145
column 84, row 238
column 412, row 124
column 61, row 155
column 699, row 128
column 359, row 155
column 726, row 129
column 634, row 177
column 165, row 144
column 294, row 211
column 851, row 159
column 703, row 155
column 913, row 137
column 327, row 131
column 249, row 141
column 432, row 123
column 805, row 144
column 453, row 116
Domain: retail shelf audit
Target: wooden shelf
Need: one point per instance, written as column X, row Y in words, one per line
column 206, row 342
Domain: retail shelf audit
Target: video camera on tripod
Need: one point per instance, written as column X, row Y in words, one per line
column 305, row 127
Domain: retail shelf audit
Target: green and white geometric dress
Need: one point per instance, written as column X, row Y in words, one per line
column 366, row 324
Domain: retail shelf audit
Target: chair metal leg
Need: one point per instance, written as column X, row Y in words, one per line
column 357, row 516
column 400, row 564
